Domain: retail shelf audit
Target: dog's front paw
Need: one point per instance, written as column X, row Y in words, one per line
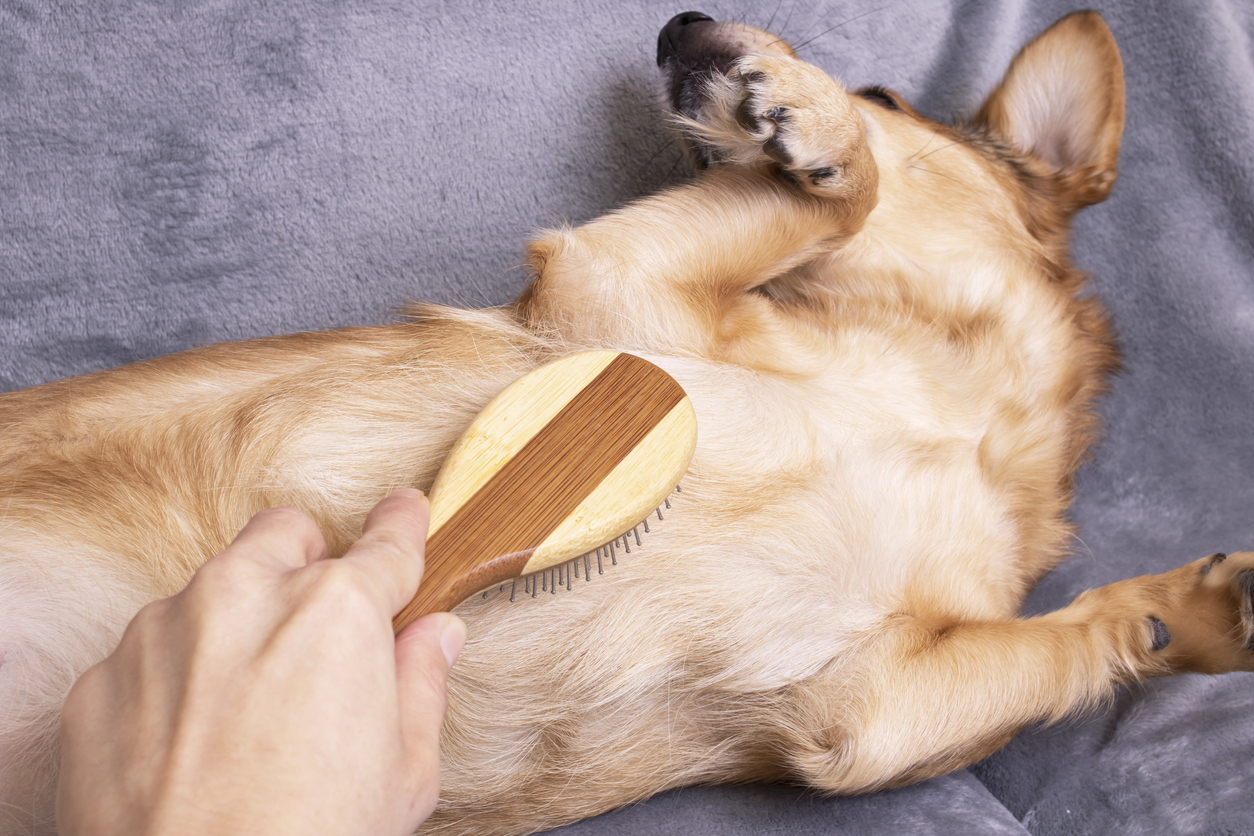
column 784, row 111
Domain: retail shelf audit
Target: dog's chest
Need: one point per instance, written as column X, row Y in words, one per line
column 852, row 485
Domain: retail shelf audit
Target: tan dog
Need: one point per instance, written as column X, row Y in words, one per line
column 876, row 318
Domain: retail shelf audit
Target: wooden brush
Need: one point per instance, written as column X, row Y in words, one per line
column 568, row 457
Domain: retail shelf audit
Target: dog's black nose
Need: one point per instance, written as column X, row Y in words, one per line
column 672, row 32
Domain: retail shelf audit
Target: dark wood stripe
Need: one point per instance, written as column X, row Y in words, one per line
column 543, row 483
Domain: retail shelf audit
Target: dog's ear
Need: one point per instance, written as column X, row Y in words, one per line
column 1062, row 102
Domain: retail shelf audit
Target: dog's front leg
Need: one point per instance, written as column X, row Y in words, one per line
column 674, row 271
column 932, row 696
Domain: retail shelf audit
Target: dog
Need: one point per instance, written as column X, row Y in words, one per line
column 894, row 370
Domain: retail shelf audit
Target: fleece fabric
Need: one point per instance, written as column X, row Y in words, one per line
column 180, row 172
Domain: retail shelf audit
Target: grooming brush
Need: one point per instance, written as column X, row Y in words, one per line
column 571, row 456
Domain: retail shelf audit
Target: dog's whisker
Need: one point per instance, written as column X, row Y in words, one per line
column 938, row 174
column 772, row 18
column 800, row 46
column 788, row 19
column 960, row 140
column 926, row 145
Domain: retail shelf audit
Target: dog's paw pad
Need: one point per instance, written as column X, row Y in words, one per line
column 1215, row 612
column 1161, row 636
column 798, row 117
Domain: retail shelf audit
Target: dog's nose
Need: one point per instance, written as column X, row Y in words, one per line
column 668, row 39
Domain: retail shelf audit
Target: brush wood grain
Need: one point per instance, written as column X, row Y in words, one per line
column 565, row 459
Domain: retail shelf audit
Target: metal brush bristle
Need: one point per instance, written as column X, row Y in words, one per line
column 563, row 575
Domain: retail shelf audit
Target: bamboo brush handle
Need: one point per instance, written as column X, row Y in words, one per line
column 565, row 459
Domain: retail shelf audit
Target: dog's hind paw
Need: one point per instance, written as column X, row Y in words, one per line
column 1198, row 618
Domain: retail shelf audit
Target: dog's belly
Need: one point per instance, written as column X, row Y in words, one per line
column 811, row 514
column 61, row 610
column 807, row 521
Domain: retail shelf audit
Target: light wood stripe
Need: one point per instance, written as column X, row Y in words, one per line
column 510, row 421
column 518, row 507
column 660, row 458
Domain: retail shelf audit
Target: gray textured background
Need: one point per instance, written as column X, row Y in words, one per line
column 178, row 173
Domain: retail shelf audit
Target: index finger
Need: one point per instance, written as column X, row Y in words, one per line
column 391, row 547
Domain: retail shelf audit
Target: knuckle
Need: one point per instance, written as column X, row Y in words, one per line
column 394, row 547
column 223, row 575
column 83, row 690
column 340, row 590
column 295, row 521
column 150, row 619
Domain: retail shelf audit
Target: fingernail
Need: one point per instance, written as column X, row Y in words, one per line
column 453, row 638
column 399, row 491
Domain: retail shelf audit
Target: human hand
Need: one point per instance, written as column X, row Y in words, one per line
column 269, row 695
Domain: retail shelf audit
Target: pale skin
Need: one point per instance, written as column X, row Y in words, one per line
column 270, row 695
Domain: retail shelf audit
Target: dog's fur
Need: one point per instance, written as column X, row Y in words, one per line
column 878, row 323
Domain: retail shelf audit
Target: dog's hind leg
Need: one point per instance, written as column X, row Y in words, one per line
column 937, row 696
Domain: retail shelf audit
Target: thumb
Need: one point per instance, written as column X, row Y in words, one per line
column 425, row 650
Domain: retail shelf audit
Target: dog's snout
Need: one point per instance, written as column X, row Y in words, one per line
column 673, row 32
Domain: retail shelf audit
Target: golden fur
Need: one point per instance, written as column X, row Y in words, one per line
column 878, row 323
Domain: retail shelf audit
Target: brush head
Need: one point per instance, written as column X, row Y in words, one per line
column 566, row 458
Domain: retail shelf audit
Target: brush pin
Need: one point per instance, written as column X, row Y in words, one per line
column 550, row 580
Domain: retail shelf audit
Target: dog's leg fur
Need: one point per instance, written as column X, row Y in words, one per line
column 671, row 272
column 938, row 694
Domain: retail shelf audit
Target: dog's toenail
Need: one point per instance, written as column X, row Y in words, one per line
column 1162, row 636
column 777, row 114
column 1215, row 559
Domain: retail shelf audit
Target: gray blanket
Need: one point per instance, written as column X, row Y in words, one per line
column 177, row 173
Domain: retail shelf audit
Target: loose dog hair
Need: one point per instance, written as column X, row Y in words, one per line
column 894, row 369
